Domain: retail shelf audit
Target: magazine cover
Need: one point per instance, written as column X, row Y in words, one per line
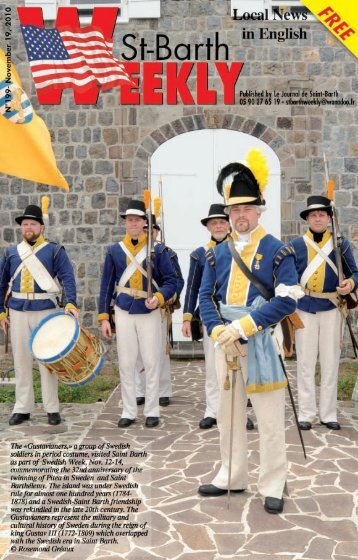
column 135, row 135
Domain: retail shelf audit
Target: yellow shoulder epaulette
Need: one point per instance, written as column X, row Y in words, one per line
column 210, row 256
column 284, row 251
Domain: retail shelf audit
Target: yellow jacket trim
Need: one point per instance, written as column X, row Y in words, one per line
column 3, row 315
column 239, row 284
column 160, row 298
column 248, row 325
column 103, row 316
column 316, row 281
column 27, row 284
column 27, row 281
column 254, row 388
column 216, row 331
column 187, row 317
column 70, row 306
column 136, row 280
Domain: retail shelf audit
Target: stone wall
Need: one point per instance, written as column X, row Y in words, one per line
column 102, row 150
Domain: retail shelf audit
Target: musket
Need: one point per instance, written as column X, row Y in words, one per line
column 158, row 212
column 162, row 236
column 337, row 238
column 6, row 331
column 150, row 245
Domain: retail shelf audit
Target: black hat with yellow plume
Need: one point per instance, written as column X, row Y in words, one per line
column 244, row 182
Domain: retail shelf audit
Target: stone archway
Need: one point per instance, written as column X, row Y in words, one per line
column 209, row 119
column 220, row 119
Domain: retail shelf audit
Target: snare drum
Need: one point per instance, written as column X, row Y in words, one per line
column 70, row 351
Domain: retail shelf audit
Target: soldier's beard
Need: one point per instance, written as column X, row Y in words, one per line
column 31, row 236
column 243, row 227
column 219, row 236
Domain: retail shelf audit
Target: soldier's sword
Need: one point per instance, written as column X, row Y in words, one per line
column 233, row 367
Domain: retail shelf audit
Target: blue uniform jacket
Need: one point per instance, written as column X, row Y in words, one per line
column 328, row 279
column 175, row 264
column 55, row 260
column 269, row 260
column 114, row 266
column 196, row 269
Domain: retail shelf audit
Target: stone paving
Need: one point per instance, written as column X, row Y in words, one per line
column 319, row 519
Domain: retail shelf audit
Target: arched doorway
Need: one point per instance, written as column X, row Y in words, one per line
column 189, row 165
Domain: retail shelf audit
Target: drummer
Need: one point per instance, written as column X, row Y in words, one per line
column 28, row 293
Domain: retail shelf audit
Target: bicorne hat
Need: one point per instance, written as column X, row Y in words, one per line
column 317, row 203
column 215, row 211
column 135, row 208
column 32, row 212
column 244, row 182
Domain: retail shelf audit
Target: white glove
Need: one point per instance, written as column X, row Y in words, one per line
column 237, row 325
column 229, row 341
column 228, row 334
column 233, row 349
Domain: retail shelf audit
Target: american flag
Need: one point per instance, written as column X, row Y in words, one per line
column 67, row 59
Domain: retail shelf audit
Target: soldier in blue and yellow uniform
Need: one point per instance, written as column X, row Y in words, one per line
column 239, row 320
column 317, row 273
column 165, row 384
column 137, row 319
column 27, row 273
column 217, row 223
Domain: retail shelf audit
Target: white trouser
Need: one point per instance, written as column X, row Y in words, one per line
column 138, row 333
column 165, row 384
column 211, row 379
column 320, row 338
column 270, row 413
column 22, row 323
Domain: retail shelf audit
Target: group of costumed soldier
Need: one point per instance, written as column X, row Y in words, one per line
column 247, row 283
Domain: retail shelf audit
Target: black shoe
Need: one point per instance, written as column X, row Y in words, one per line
column 249, row 424
column 19, row 418
column 164, row 401
column 53, row 418
column 152, row 421
column 125, row 422
column 305, row 425
column 140, row 400
column 249, row 403
column 211, row 490
column 273, row 505
column 207, row 422
column 332, row 425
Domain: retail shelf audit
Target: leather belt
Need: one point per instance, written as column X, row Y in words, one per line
column 32, row 296
column 333, row 297
column 132, row 292
column 322, row 295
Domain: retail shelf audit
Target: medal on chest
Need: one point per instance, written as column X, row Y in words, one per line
column 258, row 258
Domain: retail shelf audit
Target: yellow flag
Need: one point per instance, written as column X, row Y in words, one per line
column 340, row 17
column 25, row 144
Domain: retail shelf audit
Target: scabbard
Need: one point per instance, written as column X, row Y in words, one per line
column 6, row 341
column 293, row 405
